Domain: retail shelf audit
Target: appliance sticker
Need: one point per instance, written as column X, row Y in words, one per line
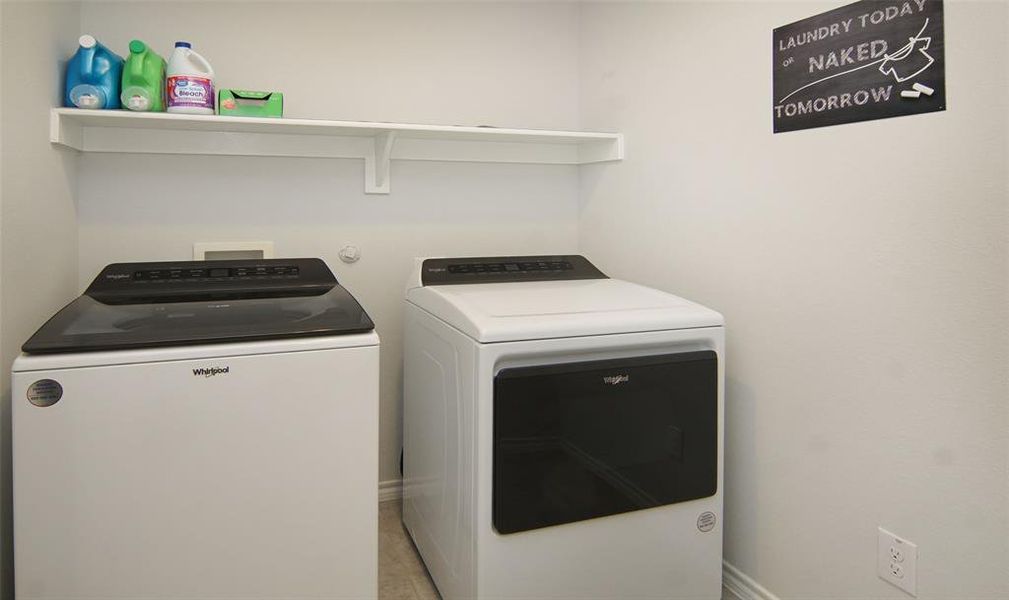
column 706, row 522
column 45, row 392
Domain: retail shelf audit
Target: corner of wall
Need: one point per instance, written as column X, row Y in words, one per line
column 737, row 585
column 37, row 194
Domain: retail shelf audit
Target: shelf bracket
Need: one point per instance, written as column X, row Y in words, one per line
column 377, row 164
column 65, row 134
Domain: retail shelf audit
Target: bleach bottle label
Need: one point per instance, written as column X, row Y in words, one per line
column 189, row 87
column 190, row 91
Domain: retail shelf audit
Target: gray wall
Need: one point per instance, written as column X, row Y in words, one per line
column 862, row 270
column 38, row 227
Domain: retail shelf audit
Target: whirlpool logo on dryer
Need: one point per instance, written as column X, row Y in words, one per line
column 616, row 379
column 211, row 371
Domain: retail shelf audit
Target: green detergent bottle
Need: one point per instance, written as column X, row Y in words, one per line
column 143, row 79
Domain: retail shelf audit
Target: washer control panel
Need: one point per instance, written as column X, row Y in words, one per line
column 138, row 283
column 504, row 269
column 222, row 273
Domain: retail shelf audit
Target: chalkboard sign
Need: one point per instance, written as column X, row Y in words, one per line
column 869, row 60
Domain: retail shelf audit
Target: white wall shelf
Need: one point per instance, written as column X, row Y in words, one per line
column 376, row 143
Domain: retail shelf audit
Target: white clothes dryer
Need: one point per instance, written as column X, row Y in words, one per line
column 562, row 432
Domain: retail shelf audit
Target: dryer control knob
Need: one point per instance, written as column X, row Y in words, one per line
column 350, row 254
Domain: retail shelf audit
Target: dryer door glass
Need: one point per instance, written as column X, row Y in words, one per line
column 583, row 440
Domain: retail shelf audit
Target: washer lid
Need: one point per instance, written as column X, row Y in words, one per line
column 148, row 305
column 503, row 312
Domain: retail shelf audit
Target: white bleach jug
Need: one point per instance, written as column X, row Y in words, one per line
column 189, row 85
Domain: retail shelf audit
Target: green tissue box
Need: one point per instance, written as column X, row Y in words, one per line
column 247, row 103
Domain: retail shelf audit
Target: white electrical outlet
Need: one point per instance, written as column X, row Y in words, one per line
column 897, row 561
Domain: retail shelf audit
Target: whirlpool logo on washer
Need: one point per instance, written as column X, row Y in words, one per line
column 211, row 371
column 616, row 379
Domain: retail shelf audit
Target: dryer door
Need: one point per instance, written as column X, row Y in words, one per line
column 582, row 440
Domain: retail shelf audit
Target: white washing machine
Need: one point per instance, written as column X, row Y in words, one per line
column 199, row 430
column 562, row 432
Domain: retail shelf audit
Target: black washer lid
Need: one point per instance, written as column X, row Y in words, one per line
column 147, row 305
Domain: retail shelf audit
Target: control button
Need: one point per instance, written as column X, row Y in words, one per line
column 219, row 272
column 175, row 274
column 350, row 254
column 196, row 273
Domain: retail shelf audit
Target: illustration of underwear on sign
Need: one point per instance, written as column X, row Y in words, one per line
column 911, row 60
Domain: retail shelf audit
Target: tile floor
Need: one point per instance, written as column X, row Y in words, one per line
column 401, row 574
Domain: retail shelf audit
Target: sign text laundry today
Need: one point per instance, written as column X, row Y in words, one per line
column 874, row 17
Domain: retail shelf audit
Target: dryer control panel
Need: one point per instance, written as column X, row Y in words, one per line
column 505, row 269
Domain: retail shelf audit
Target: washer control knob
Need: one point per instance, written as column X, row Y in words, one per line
column 350, row 254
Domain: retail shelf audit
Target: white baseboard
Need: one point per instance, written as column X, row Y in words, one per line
column 737, row 585
column 391, row 489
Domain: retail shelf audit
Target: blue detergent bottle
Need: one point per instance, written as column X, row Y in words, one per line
column 93, row 76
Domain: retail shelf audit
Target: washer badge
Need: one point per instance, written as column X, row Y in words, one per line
column 45, row 392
